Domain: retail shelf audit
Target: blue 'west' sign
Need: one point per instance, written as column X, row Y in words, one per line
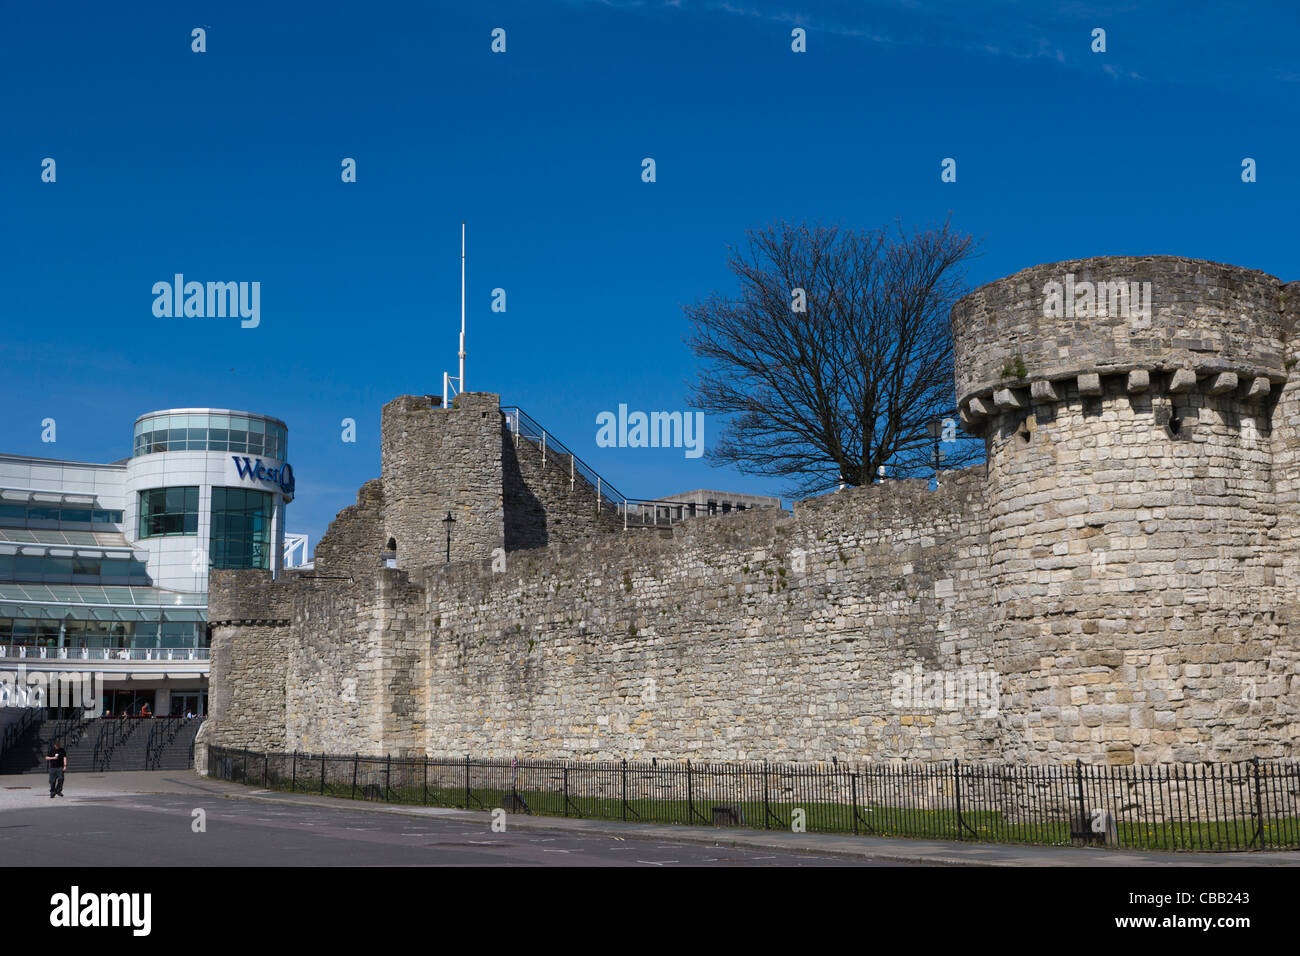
column 282, row 476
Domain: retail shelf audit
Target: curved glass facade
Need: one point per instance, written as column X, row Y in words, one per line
column 211, row 431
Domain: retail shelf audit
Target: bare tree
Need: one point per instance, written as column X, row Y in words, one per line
column 835, row 356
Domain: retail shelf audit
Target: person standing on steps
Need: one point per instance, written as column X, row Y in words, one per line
column 57, row 759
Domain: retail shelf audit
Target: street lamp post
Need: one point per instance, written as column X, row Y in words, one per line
column 449, row 521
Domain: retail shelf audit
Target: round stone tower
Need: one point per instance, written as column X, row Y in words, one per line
column 1128, row 407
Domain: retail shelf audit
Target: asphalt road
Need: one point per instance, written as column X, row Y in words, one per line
column 155, row 829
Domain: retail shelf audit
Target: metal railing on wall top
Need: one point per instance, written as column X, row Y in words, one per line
column 634, row 512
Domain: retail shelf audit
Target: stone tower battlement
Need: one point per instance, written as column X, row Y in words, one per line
column 1031, row 337
column 437, row 461
column 1140, row 437
column 1124, row 568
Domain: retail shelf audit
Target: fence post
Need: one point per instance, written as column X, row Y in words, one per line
column 767, row 812
column 467, row 781
column 1083, row 809
column 624, row 789
column 566, row 788
column 322, row 773
column 356, row 761
column 388, row 776
column 266, row 768
column 426, row 780
column 690, row 795
column 1259, row 808
column 853, row 789
column 293, row 780
column 956, row 777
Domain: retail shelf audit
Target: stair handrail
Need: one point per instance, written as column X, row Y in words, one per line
column 520, row 424
column 164, row 732
column 69, row 730
column 112, row 736
column 96, row 755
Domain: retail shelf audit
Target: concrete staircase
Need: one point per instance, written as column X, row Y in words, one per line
column 99, row 745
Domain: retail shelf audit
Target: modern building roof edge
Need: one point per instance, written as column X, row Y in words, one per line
column 719, row 492
column 67, row 461
column 211, row 411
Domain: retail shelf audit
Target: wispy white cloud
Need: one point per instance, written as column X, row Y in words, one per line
column 910, row 23
column 1166, row 42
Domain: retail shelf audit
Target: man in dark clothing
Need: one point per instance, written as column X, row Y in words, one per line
column 57, row 758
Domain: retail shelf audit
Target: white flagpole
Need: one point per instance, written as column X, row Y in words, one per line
column 462, row 307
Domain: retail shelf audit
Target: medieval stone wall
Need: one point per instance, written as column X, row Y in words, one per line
column 1285, row 449
column 355, row 538
column 250, row 668
column 1135, row 568
column 1117, row 584
column 760, row 633
column 755, row 634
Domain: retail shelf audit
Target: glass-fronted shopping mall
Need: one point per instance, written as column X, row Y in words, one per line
column 104, row 568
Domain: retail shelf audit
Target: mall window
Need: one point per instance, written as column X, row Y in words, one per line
column 104, row 634
column 45, row 569
column 240, row 528
column 23, row 516
column 169, row 511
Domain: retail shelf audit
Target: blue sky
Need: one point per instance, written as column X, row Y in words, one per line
column 225, row 166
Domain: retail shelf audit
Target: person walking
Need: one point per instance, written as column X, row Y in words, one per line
column 57, row 759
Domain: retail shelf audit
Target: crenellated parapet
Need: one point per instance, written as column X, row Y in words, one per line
column 1153, row 323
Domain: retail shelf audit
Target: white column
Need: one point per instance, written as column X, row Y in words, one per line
column 277, row 536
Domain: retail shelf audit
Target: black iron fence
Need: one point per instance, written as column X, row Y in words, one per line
column 1229, row 806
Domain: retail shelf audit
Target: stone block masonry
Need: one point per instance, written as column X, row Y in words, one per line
column 440, row 461
column 1124, row 566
